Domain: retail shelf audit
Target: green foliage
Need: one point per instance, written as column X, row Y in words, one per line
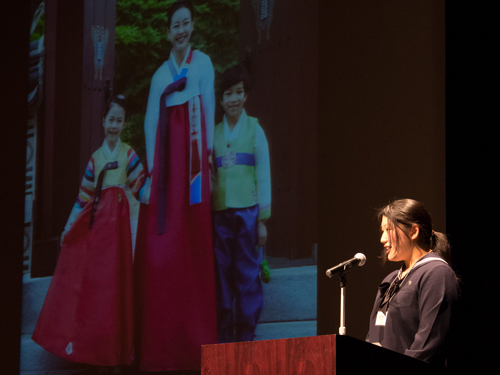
column 133, row 134
column 39, row 29
column 141, row 46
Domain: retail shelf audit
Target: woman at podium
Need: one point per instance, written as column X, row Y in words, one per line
column 413, row 307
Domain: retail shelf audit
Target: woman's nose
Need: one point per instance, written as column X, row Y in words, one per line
column 383, row 238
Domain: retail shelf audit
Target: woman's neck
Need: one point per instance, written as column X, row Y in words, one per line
column 417, row 253
column 179, row 55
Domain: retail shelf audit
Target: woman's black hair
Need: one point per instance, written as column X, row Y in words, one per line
column 118, row 100
column 232, row 76
column 175, row 7
column 404, row 213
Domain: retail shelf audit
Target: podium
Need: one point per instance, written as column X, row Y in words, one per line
column 321, row 355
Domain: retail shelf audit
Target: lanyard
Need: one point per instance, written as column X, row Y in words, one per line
column 396, row 283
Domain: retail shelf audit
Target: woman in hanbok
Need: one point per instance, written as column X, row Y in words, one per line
column 87, row 315
column 175, row 283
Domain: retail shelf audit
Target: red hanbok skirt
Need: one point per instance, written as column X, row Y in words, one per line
column 175, row 282
column 87, row 314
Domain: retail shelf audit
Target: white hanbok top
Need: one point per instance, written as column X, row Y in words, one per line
column 200, row 81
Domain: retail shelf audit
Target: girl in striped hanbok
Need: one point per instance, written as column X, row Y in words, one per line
column 87, row 315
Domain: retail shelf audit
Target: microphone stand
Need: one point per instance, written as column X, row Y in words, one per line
column 343, row 284
column 345, row 266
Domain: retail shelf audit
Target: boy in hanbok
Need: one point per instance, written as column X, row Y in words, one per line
column 87, row 315
column 241, row 204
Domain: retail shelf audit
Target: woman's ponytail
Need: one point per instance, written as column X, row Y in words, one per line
column 440, row 245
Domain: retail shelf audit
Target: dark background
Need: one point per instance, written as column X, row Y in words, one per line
column 387, row 130
column 359, row 170
column 382, row 127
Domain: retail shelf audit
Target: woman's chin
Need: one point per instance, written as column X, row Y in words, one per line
column 181, row 47
column 392, row 257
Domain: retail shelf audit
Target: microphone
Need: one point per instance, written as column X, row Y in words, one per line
column 358, row 260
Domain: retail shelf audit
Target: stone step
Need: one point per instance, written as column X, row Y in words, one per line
column 290, row 295
column 35, row 358
column 34, row 292
column 283, row 330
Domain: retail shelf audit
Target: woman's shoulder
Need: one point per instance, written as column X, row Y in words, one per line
column 200, row 55
column 162, row 69
column 433, row 267
column 201, row 58
column 432, row 261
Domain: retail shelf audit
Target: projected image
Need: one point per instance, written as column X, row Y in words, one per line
column 197, row 118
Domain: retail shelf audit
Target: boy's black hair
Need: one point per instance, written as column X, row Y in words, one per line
column 233, row 75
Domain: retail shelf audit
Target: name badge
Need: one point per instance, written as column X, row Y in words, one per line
column 381, row 318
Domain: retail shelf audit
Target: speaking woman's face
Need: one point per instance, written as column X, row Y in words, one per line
column 181, row 27
column 397, row 246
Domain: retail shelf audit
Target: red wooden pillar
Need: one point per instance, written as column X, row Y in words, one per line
column 97, row 78
column 283, row 40
column 70, row 125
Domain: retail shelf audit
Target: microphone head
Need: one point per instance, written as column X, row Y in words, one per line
column 361, row 257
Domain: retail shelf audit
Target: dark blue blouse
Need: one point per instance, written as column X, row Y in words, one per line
column 418, row 316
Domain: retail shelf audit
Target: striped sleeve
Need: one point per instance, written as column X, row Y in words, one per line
column 135, row 173
column 85, row 194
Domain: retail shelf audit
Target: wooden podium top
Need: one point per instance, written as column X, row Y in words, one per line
column 321, row 355
column 303, row 355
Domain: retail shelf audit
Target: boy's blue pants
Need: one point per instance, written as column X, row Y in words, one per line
column 238, row 260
